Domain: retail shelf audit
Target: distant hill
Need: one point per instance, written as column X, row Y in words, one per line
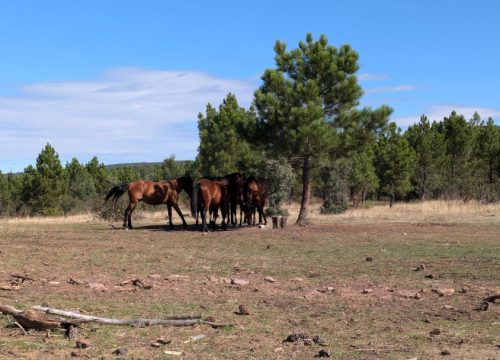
column 133, row 165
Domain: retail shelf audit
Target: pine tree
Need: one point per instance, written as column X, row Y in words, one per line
column 395, row 163
column 489, row 148
column 363, row 178
column 223, row 149
column 429, row 146
column 306, row 107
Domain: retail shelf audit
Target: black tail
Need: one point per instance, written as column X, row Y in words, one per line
column 194, row 200
column 116, row 192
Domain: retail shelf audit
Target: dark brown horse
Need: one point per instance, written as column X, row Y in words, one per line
column 208, row 197
column 152, row 193
column 234, row 184
column 255, row 196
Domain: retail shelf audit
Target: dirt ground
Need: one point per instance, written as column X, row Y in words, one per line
column 367, row 289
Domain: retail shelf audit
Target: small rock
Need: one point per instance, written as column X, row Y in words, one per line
column 278, row 349
column 465, row 289
column 120, row 352
column 82, row 344
column 413, row 358
column 268, row 246
column 448, row 307
column 435, row 331
column 239, row 282
column 76, row 354
column 296, row 336
column 324, row 353
column 367, row 291
column 420, row 267
column 53, row 282
column 242, row 310
column 270, row 279
column 330, row 288
column 171, row 352
column 97, row 286
column 298, row 279
column 409, row 294
column 443, row 291
column 429, row 276
column 155, row 344
column 163, row 341
column 445, row 352
column 405, row 234
column 210, row 319
column 308, row 342
column 197, row 337
column 369, row 258
column 483, row 306
column 319, row 340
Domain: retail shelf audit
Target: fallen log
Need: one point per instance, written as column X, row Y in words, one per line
column 175, row 320
column 32, row 319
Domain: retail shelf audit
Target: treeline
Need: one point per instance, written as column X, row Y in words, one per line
column 454, row 158
column 450, row 158
column 49, row 188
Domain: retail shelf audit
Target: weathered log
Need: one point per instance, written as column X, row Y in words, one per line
column 30, row 319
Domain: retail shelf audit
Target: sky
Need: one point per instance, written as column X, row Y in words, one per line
column 125, row 80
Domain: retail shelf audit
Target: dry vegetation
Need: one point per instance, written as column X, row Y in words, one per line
column 321, row 273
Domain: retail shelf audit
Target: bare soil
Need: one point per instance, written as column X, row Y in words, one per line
column 378, row 308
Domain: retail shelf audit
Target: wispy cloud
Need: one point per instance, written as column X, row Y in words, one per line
column 127, row 114
column 394, row 89
column 372, row 77
column 438, row 112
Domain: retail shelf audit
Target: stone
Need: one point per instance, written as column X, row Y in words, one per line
column 369, row 258
column 270, row 279
column 443, row 291
column 243, row 310
column 324, row 353
column 367, row 291
column 241, row 282
column 154, row 276
column 83, row 344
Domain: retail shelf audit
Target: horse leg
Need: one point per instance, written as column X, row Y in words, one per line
column 223, row 211
column 216, row 214
column 262, row 215
column 129, row 210
column 169, row 209
column 178, row 210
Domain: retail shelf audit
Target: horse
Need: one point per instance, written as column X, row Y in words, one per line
column 208, row 197
column 234, row 183
column 152, row 193
column 255, row 196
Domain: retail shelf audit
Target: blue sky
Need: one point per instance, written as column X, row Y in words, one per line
column 125, row 80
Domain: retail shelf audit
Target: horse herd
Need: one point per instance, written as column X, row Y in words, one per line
column 208, row 196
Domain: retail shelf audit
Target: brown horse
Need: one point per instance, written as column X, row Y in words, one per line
column 234, row 184
column 208, row 197
column 255, row 196
column 152, row 193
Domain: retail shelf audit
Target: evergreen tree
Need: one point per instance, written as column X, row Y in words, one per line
column 489, row 148
column 43, row 187
column 222, row 148
column 306, row 107
column 363, row 178
column 395, row 163
column 81, row 187
column 99, row 174
column 429, row 146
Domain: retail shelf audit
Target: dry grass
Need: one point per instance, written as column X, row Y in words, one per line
column 435, row 211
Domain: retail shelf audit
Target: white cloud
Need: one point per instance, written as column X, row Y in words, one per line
column 372, row 77
column 438, row 112
column 393, row 89
column 127, row 114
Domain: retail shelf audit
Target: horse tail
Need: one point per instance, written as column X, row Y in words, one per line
column 116, row 192
column 194, row 200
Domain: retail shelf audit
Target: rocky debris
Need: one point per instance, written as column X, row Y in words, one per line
column 369, row 258
column 76, row 354
column 240, row 282
column 324, row 353
column 435, row 331
column 367, row 291
column 83, row 344
column 243, row 310
column 195, row 338
column 155, row 344
column 120, row 352
column 444, row 291
column 308, row 342
column 97, row 286
column 429, row 276
column 270, row 279
column 445, row 352
column 76, row 282
column 319, row 340
column 409, row 294
column 420, row 267
column 465, row 289
column 297, row 335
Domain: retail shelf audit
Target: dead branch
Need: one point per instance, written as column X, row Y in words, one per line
column 21, row 278
column 32, row 319
column 492, row 298
column 176, row 320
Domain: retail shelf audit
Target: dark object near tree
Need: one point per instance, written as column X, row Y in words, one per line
column 208, row 197
column 152, row 193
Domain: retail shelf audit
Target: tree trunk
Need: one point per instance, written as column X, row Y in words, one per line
column 303, row 218
column 391, row 204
